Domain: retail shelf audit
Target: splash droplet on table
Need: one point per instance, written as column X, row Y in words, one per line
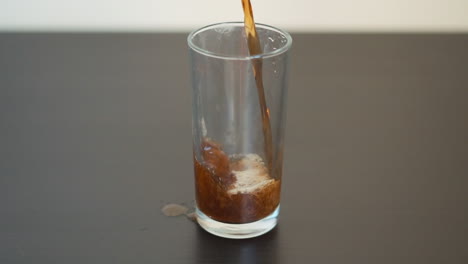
column 192, row 216
column 174, row 210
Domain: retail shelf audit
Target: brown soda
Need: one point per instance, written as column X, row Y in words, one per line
column 255, row 48
column 213, row 182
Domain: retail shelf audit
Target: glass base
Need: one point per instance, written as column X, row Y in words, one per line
column 238, row 231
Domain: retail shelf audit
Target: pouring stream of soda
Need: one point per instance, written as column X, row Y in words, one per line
column 255, row 49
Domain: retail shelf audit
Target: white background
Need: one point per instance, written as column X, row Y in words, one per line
column 185, row 15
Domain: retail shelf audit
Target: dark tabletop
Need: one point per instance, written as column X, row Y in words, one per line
column 95, row 137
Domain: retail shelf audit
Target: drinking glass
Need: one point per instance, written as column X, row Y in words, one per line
column 238, row 128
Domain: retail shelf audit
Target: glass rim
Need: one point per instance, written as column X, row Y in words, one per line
column 205, row 52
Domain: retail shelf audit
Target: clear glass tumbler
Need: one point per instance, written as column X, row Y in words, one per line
column 238, row 128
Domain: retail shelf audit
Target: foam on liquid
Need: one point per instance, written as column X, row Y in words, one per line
column 251, row 175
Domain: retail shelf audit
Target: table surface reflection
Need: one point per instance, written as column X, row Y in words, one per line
column 95, row 137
